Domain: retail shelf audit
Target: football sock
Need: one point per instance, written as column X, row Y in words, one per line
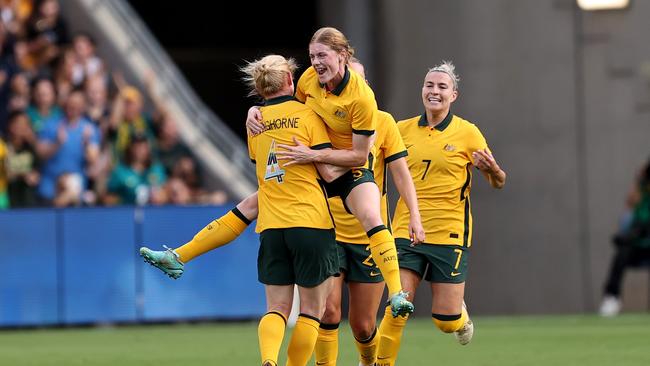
column 303, row 340
column 367, row 348
column 327, row 345
column 270, row 333
column 450, row 323
column 217, row 233
column 390, row 338
column 384, row 253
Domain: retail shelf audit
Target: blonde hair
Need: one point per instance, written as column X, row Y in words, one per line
column 334, row 39
column 267, row 75
column 448, row 68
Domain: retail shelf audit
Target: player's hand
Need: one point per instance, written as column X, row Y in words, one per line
column 416, row 230
column 254, row 121
column 485, row 161
column 298, row 154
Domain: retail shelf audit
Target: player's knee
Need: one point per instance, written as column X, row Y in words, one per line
column 448, row 323
column 281, row 307
column 332, row 314
column 363, row 328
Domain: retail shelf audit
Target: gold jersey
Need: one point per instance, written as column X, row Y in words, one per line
column 440, row 161
column 289, row 196
column 349, row 108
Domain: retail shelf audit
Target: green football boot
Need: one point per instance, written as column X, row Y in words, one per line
column 399, row 305
column 165, row 260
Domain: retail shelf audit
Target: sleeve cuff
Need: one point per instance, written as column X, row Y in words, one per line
column 396, row 156
column 363, row 132
column 326, row 145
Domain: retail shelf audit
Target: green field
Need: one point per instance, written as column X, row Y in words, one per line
column 503, row 341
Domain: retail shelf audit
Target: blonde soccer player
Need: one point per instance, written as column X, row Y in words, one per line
column 297, row 241
column 443, row 150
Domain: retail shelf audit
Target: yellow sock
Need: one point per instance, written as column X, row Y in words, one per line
column 384, row 253
column 302, row 341
column 217, row 233
column 368, row 349
column 327, row 345
column 390, row 338
column 270, row 333
column 450, row 323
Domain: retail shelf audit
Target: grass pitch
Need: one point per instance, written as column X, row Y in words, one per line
column 502, row 341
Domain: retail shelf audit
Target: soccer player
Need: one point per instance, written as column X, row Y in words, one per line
column 442, row 149
column 297, row 241
column 365, row 283
column 347, row 105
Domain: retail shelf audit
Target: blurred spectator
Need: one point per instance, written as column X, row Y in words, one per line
column 98, row 112
column 177, row 192
column 66, row 145
column 22, row 162
column 128, row 119
column 139, row 179
column 63, row 75
column 46, row 32
column 87, row 64
column 8, row 69
column 20, row 93
column 170, row 148
column 23, row 59
column 632, row 242
column 14, row 14
column 44, row 105
column 4, row 197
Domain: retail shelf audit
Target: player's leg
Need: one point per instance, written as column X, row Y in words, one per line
column 364, row 303
column 216, row 234
column 305, row 333
column 391, row 328
column 271, row 327
column 327, row 344
column 315, row 261
column 449, row 312
column 449, row 265
column 275, row 270
column 364, row 203
column 366, row 286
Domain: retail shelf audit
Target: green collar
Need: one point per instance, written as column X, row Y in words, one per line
column 440, row 126
column 278, row 100
column 339, row 88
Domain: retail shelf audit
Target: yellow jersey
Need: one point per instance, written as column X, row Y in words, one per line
column 349, row 108
column 389, row 147
column 289, row 196
column 440, row 161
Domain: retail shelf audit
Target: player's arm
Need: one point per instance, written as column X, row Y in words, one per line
column 489, row 167
column 302, row 154
column 404, row 183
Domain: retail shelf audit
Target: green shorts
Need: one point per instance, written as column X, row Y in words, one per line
column 302, row 256
column 343, row 185
column 434, row 263
column 355, row 260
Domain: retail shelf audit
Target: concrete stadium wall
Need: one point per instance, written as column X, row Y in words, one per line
column 560, row 97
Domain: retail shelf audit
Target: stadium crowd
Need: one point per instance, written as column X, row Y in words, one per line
column 73, row 132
